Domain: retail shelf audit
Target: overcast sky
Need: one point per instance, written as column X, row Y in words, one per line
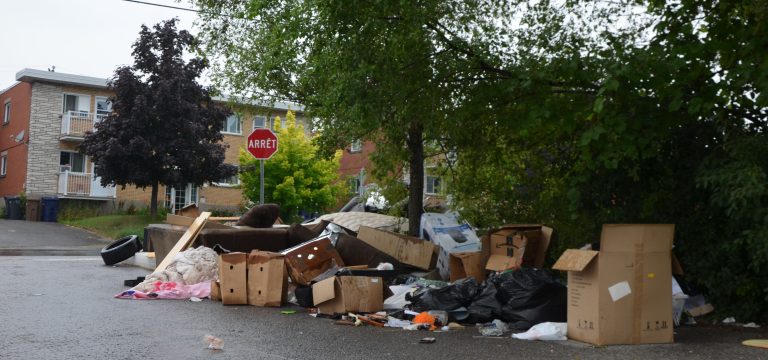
column 84, row 37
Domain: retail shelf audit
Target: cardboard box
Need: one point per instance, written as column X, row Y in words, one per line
column 468, row 264
column 312, row 258
column 407, row 249
column 356, row 252
column 232, row 277
column 621, row 294
column 450, row 236
column 215, row 291
column 267, row 279
column 516, row 245
column 342, row 294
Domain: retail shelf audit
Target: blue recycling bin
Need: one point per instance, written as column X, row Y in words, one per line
column 50, row 209
column 12, row 208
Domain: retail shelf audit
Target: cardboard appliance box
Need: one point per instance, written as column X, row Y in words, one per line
column 407, row 249
column 267, row 279
column 621, row 294
column 450, row 236
column 342, row 294
column 232, row 277
column 312, row 258
column 515, row 245
column 215, row 291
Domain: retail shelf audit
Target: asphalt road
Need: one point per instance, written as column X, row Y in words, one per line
column 19, row 237
column 62, row 307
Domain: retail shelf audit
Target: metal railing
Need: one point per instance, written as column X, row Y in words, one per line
column 83, row 184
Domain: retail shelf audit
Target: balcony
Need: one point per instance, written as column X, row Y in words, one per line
column 74, row 124
column 74, row 184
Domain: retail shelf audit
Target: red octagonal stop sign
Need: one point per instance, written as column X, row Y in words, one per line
column 262, row 144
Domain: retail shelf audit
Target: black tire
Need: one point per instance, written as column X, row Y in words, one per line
column 120, row 250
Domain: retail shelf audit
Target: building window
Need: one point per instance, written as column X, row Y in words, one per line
column 354, row 185
column 434, row 185
column 179, row 197
column 232, row 125
column 356, row 146
column 259, row 121
column 72, row 162
column 7, row 113
column 3, row 164
column 77, row 103
column 231, row 181
column 103, row 107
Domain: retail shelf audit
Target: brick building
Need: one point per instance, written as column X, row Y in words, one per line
column 45, row 116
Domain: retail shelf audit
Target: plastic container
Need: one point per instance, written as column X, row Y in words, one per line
column 33, row 210
column 12, row 208
column 678, row 305
column 50, row 209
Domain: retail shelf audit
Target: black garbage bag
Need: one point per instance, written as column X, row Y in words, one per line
column 530, row 296
column 485, row 307
column 456, row 295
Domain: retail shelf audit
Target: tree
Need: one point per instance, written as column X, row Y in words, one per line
column 295, row 177
column 164, row 128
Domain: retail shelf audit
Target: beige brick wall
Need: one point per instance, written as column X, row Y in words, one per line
column 44, row 131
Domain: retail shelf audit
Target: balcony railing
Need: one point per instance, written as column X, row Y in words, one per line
column 74, row 124
column 83, row 184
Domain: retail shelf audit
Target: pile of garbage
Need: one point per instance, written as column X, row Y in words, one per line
column 446, row 280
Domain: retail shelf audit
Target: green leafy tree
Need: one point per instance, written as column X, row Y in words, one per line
column 164, row 128
column 295, row 177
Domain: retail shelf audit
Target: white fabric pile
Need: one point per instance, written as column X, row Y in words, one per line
column 190, row 266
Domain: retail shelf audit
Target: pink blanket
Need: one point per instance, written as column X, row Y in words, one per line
column 169, row 290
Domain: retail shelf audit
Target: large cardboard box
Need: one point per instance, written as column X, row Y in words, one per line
column 407, row 249
column 267, row 279
column 514, row 245
column 232, row 277
column 450, row 236
column 466, row 264
column 342, row 294
column 621, row 294
column 312, row 258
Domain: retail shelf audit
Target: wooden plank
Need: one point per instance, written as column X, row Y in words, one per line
column 187, row 221
column 185, row 240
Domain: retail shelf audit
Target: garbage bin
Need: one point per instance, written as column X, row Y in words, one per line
column 12, row 208
column 33, row 210
column 50, row 207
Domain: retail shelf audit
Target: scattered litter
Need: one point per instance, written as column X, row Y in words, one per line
column 546, row 331
column 751, row 325
column 494, row 328
column 396, row 323
column 455, row 326
column 385, row 266
column 287, row 312
column 425, row 318
column 195, row 299
column 213, row 342
column 427, row 340
column 729, row 320
column 37, row 294
column 760, row 343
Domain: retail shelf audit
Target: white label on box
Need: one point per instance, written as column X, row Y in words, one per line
column 619, row 290
column 375, row 280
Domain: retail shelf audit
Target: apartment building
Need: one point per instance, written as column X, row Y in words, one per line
column 45, row 116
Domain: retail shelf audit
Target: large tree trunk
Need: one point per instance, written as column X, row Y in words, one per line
column 153, row 200
column 416, row 189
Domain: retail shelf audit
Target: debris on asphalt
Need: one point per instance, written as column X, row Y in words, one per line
column 751, row 325
column 548, row 331
column 427, row 340
column 494, row 328
column 729, row 320
column 213, row 342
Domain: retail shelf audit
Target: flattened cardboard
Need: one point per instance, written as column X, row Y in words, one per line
column 267, row 279
column 622, row 297
column 357, row 252
column 232, row 276
column 407, row 249
column 342, row 294
column 310, row 259
column 467, row 264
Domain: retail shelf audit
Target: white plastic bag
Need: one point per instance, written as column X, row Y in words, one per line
column 544, row 331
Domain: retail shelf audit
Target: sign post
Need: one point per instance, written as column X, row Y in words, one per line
column 262, row 144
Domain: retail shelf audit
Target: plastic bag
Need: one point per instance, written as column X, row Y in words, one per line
column 451, row 297
column 495, row 328
column 545, row 331
column 531, row 296
column 484, row 307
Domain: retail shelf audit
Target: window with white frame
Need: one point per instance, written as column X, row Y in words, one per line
column 232, row 125
column 180, row 196
column 231, row 181
column 3, row 163
column 356, row 146
column 72, row 162
column 433, row 185
column 7, row 112
column 259, row 121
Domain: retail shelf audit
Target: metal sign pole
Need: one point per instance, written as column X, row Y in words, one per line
column 261, row 184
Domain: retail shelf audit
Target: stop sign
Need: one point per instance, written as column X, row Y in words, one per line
column 262, row 144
